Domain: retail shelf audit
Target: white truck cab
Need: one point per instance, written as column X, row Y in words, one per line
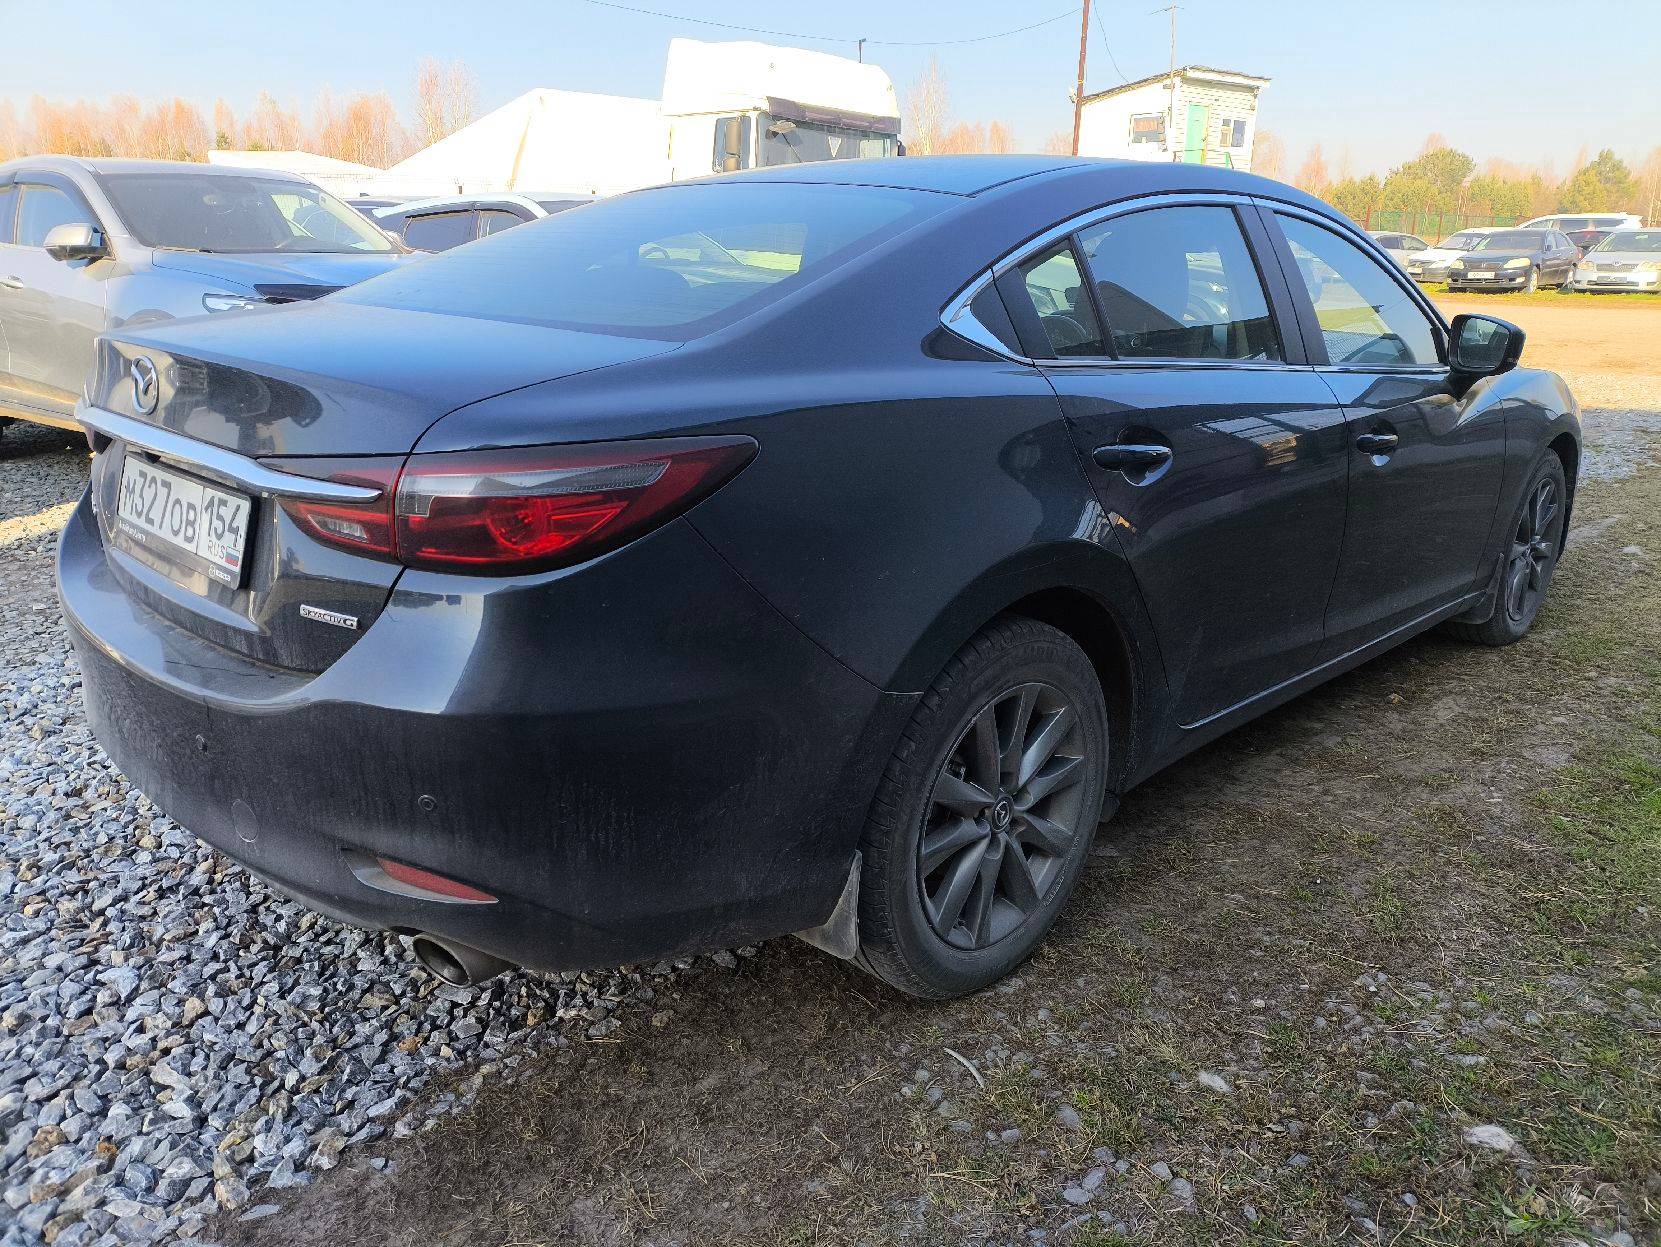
column 730, row 106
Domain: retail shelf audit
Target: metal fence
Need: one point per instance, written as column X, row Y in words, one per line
column 1429, row 224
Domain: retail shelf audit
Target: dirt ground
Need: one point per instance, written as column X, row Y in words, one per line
column 1381, row 967
column 1599, row 333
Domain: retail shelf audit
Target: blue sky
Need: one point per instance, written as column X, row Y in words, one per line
column 1366, row 79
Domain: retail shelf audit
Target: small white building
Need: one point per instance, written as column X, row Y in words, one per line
column 1197, row 114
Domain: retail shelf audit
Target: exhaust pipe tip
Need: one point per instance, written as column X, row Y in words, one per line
column 457, row 964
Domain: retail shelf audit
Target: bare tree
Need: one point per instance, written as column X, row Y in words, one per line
column 445, row 98
column 1312, row 173
column 1268, row 154
column 271, row 127
column 14, row 138
column 1649, row 183
column 1000, row 137
column 224, row 124
column 926, row 111
column 1059, row 144
column 363, row 129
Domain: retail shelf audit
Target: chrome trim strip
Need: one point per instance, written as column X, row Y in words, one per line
column 957, row 317
column 236, row 469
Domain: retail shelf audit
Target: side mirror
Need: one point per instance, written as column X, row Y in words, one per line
column 75, row 241
column 1483, row 346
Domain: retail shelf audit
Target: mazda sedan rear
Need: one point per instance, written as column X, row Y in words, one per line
column 817, row 550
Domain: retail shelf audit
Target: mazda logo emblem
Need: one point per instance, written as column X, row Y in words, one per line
column 146, row 385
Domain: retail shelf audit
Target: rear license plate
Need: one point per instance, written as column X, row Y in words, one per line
column 167, row 511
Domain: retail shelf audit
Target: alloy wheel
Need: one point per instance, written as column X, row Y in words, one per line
column 1532, row 550
column 1005, row 811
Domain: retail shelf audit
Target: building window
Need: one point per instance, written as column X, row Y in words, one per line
column 1234, row 132
column 1147, row 128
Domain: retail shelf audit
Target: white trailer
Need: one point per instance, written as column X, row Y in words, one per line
column 725, row 106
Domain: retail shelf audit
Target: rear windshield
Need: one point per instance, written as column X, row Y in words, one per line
column 1513, row 240
column 671, row 263
column 226, row 213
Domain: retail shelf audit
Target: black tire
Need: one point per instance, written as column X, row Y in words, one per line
column 1527, row 561
column 1048, row 722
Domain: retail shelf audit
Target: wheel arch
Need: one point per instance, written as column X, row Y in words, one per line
column 1087, row 591
column 1567, row 449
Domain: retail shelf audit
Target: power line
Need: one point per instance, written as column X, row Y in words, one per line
column 1102, row 31
column 794, row 34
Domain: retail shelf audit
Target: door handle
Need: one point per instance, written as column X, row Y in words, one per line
column 12, row 283
column 1122, row 455
column 1376, row 443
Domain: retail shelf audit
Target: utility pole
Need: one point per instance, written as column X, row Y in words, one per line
column 1171, row 90
column 1078, row 93
column 862, row 51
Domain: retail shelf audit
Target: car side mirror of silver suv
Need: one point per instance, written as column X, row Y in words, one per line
column 1483, row 346
column 76, row 241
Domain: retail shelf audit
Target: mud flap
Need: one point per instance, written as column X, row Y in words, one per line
column 839, row 934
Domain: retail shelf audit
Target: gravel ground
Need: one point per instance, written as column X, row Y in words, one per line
column 177, row 1041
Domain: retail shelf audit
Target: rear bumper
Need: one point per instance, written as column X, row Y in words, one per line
column 639, row 757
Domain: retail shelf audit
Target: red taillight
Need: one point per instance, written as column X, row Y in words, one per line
column 525, row 509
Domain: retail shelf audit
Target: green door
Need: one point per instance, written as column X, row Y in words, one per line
column 1193, row 147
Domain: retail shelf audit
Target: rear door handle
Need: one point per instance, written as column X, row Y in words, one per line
column 1376, row 443
column 1121, row 455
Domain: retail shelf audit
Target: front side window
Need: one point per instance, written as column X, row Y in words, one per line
column 1179, row 283
column 670, row 263
column 1055, row 286
column 230, row 213
column 1365, row 316
column 439, row 231
column 44, row 208
column 1147, row 128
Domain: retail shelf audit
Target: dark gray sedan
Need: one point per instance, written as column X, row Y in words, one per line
column 1515, row 259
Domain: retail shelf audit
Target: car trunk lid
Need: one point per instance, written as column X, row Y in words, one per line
column 231, row 407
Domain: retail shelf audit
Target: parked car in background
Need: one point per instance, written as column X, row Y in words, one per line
column 439, row 224
column 1402, row 248
column 1569, row 222
column 1515, row 259
column 1628, row 259
column 539, row 600
column 370, row 205
column 91, row 244
column 1431, row 264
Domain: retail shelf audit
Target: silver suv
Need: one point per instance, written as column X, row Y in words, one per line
column 88, row 245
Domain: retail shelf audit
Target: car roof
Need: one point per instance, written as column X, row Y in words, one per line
column 974, row 175
column 951, row 175
column 115, row 164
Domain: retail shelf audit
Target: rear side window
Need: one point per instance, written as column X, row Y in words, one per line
column 8, row 209
column 1364, row 314
column 439, row 231
column 1179, row 283
column 43, row 209
column 495, row 220
column 670, row 263
column 1055, row 286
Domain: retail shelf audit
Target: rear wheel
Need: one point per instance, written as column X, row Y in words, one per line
column 1528, row 560
column 985, row 814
